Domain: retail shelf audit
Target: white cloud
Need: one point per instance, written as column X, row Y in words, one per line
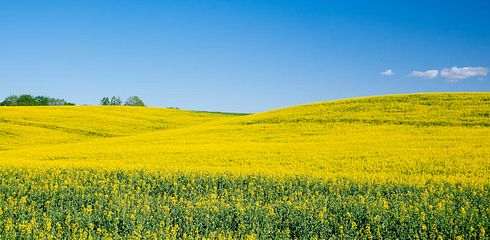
column 427, row 74
column 455, row 74
column 388, row 73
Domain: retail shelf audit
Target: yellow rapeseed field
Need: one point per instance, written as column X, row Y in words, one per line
column 22, row 127
column 397, row 138
column 399, row 166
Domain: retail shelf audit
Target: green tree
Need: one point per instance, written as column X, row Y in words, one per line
column 56, row 102
column 134, row 101
column 26, row 100
column 116, row 101
column 104, row 101
column 42, row 100
column 29, row 100
column 10, row 101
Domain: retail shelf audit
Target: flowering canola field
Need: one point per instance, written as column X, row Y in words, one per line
column 400, row 166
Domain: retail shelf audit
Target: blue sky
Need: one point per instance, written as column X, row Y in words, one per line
column 241, row 56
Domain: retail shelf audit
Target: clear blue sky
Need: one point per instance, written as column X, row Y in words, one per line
column 241, row 56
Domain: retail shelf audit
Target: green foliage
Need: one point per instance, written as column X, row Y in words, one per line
column 42, row 100
column 116, row 101
column 29, row 100
column 26, row 100
column 105, row 101
column 10, row 101
column 95, row 204
column 134, row 101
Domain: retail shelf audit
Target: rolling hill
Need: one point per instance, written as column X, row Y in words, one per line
column 404, row 138
column 413, row 166
column 22, row 127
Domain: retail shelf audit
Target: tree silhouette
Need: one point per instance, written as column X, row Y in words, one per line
column 115, row 101
column 134, row 101
column 104, row 101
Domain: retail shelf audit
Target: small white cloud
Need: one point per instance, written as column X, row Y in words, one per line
column 388, row 73
column 455, row 74
column 427, row 74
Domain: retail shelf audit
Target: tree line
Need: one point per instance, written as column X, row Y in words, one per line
column 29, row 100
column 116, row 101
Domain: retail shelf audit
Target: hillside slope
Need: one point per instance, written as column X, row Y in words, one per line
column 428, row 109
column 33, row 126
column 405, row 138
